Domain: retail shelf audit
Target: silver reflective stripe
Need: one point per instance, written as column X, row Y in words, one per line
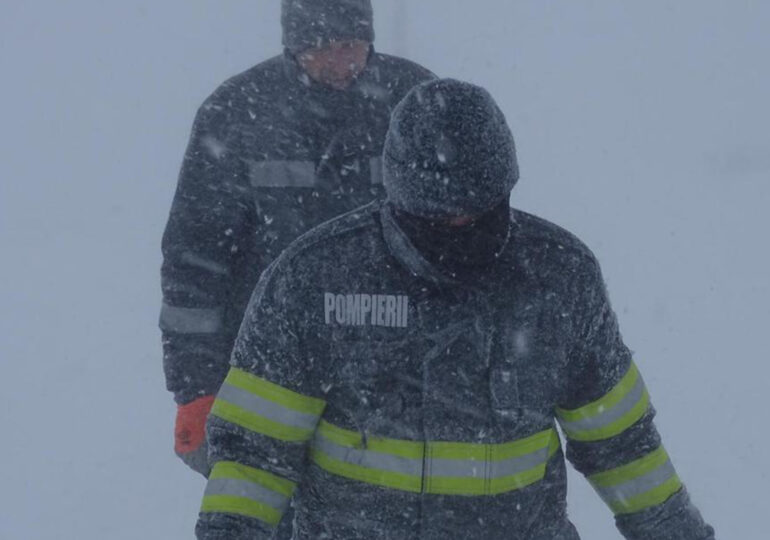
column 267, row 409
column 639, row 485
column 282, row 173
column 376, row 170
column 250, row 490
column 199, row 262
column 461, row 468
column 368, row 458
column 190, row 320
column 517, row 465
column 435, row 467
column 610, row 415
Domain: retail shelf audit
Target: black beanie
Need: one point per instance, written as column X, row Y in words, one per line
column 448, row 152
column 314, row 23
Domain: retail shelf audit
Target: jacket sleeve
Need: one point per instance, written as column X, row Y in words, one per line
column 262, row 420
column 210, row 217
column 607, row 418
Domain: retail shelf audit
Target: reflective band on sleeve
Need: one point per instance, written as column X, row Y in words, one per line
column 237, row 489
column 610, row 415
column 444, row 467
column 282, row 173
column 638, row 485
column 200, row 262
column 190, row 320
column 266, row 408
column 376, row 171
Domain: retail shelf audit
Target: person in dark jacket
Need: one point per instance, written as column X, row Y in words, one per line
column 275, row 151
column 401, row 369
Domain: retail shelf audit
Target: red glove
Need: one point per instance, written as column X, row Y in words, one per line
column 190, row 433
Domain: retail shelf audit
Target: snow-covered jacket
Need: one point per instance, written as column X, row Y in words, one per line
column 272, row 154
column 395, row 403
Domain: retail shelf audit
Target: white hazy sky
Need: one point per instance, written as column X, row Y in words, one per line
column 641, row 126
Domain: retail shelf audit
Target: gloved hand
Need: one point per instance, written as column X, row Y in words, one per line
column 190, row 434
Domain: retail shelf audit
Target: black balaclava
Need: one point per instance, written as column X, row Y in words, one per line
column 449, row 153
column 459, row 250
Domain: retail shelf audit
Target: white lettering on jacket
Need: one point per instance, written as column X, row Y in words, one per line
column 389, row 310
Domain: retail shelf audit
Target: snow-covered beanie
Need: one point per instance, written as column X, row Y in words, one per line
column 448, row 152
column 314, row 23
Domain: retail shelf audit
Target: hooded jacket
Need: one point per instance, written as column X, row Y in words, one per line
column 272, row 154
column 395, row 403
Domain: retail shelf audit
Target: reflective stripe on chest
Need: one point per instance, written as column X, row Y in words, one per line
column 297, row 173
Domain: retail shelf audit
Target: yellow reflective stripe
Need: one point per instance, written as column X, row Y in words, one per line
column 447, row 485
column 353, row 439
column 259, row 424
column 458, row 450
column 439, row 449
column 654, row 497
column 238, row 471
column 609, row 400
column 234, row 488
column 491, row 452
column 242, row 506
column 279, row 407
column 404, row 482
column 554, row 444
column 517, row 481
column 618, row 426
column 277, row 394
column 610, row 415
column 632, row 470
column 645, row 482
column 344, row 437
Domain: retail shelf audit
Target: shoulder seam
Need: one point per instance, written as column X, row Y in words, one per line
column 226, row 88
column 308, row 241
column 572, row 242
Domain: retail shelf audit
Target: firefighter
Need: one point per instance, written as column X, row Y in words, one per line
column 401, row 369
column 274, row 151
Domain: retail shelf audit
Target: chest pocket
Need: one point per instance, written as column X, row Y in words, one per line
column 504, row 388
column 524, row 378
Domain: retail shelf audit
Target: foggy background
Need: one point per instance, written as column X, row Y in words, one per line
column 642, row 127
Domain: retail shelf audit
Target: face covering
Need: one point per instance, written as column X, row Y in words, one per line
column 461, row 249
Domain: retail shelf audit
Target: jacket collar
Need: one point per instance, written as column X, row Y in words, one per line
column 402, row 249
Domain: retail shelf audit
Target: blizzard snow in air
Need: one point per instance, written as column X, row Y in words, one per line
column 640, row 127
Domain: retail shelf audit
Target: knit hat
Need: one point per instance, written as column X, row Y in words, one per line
column 314, row 23
column 448, row 152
